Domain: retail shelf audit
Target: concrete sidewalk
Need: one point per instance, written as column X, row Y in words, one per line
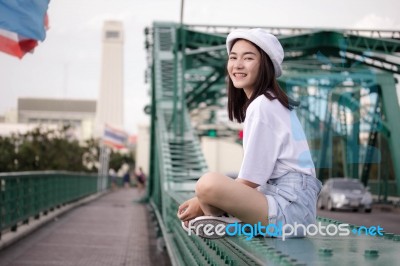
column 108, row 231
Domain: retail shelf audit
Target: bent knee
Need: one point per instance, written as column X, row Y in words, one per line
column 208, row 185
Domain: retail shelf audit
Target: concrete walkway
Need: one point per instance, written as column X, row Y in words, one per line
column 108, row 231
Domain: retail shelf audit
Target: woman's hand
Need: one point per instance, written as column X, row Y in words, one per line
column 189, row 210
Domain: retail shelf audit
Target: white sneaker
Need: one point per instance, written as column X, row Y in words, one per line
column 198, row 226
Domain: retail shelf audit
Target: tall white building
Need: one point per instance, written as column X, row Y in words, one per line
column 110, row 101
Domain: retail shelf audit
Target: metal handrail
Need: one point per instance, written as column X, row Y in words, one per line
column 24, row 195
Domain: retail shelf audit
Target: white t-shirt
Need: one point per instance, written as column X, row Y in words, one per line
column 274, row 142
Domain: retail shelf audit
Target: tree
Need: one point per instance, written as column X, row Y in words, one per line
column 7, row 154
column 118, row 159
column 91, row 153
column 49, row 149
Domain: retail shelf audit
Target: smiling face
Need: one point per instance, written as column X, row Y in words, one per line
column 243, row 65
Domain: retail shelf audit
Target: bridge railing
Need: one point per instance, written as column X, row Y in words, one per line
column 29, row 194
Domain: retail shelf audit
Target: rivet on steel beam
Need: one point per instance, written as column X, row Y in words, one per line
column 371, row 253
column 396, row 237
column 389, row 235
column 325, row 251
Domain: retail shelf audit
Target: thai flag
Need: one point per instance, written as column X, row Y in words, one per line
column 22, row 24
column 114, row 138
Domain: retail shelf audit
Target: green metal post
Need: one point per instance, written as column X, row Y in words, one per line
column 355, row 138
column 183, row 82
column 391, row 111
column 175, row 112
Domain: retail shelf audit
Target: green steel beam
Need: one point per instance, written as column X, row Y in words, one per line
column 354, row 48
column 196, row 39
column 391, row 111
column 196, row 95
column 372, row 61
column 216, row 60
column 290, row 31
column 332, row 41
column 346, row 100
column 368, row 45
column 372, row 137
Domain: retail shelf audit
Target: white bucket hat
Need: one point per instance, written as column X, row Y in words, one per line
column 266, row 41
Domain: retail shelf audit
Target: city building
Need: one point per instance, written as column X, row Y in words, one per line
column 80, row 114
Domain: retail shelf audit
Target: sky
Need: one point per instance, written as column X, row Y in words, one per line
column 67, row 63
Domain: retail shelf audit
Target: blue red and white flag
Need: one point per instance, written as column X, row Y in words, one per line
column 22, row 24
column 114, row 137
column 14, row 44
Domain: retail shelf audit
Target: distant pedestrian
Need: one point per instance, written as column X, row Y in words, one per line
column 113, row 178
column 127, row 180
column 141, row 179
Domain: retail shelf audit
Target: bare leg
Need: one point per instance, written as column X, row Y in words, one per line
column 218, row 194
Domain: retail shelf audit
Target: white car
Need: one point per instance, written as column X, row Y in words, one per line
column 344, row 193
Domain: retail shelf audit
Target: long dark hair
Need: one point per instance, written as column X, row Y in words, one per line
column 265, row 83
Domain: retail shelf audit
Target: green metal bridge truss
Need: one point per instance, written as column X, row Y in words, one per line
column 345, row 82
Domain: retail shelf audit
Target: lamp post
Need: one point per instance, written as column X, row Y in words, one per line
column 182, row 7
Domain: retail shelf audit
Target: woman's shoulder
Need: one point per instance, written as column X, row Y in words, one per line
column 268, row 111
column 268, row 107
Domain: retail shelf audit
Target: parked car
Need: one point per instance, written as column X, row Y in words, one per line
column 344, row 193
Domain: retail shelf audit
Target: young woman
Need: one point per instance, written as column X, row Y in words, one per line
column 276, row 182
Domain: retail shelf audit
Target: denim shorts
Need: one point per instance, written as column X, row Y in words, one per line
column 292, row 198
